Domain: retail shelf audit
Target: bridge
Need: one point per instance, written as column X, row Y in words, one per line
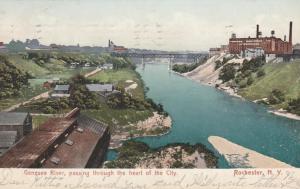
column 159, row 55
column 196, row 57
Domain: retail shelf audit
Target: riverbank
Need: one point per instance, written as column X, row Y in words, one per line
column 134, row 154
column 207, row 74
column 241, row 157
column 209, row 112
column 156, row 125
column 284, row 113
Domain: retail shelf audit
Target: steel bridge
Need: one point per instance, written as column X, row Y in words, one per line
column 160, row 55
column 196, row 57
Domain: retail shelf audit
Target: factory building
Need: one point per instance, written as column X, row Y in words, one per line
column 114, row 48
column 73, row 141
column 270, row 45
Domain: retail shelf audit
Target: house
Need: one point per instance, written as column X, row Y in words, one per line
column 13, row 126
column 87, row 65
column 102, row 88
column 61, row 91
column 73, row 141
column 252, row 53
column 107, row 66
column 74, row 64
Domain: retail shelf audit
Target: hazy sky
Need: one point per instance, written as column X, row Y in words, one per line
column 152, row 24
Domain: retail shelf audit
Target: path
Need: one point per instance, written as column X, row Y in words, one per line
column 92, row 72
column 45, row 94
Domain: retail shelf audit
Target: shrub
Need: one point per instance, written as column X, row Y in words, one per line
column 294, row 106
column 261, row 73
column 227, row 72
column 243, row 84
column 250, row 80
column 218, row 64
column 276, row 97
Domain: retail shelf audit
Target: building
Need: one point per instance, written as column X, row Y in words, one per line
column 296, row 51
column 13, row 126
column 114, row 48
column 252, row 53
column 61, row 91
column 107, row 66
column 270, row 45
column 214, row 51
column 102, row 88
column 73, row 141
column 224, row 48
column 3, row 47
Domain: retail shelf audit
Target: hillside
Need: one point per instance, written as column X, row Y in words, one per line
column 283, row 76
column 11, row 79
column 27, row 65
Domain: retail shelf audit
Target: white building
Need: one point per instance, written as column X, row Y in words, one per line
column 252, row 53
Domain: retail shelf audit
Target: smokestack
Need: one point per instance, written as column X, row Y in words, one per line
column 257, row 31
column 291, row 33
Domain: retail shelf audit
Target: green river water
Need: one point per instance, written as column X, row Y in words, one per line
column 200, row 111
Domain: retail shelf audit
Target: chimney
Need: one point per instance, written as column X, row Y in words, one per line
column 291, row 33
column 257, row 31
column 284, row 37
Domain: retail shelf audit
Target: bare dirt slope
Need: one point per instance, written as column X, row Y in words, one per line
column 206, row 72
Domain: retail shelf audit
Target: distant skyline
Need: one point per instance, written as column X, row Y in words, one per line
column 151, row 24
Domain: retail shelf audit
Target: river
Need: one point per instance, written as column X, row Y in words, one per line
column 199, row 111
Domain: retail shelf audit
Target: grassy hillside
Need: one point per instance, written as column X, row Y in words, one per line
column 119, row 78
column 27, row 65
column 282, row 76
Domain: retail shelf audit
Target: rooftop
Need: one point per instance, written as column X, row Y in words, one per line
column 99, row 87
column 83, row 142
column 62, row 87
column 70, row 143
column 12, row 118
column 26, row 151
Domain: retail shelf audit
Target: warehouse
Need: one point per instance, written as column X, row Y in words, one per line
column 74, row 141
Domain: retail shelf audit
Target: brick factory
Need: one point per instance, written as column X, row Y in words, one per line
column 270, row 45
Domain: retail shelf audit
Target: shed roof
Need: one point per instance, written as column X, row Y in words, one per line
column 62, row 87
column 83, row 145
column 100, row 87
column 12, row 118
column 26, row 151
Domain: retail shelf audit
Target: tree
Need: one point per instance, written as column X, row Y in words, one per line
column 250, row 80
column 227, row 72
column 11, row 78
column 276, row 97
column 294, row 106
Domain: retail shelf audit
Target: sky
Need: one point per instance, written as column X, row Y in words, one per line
column 193, row 25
